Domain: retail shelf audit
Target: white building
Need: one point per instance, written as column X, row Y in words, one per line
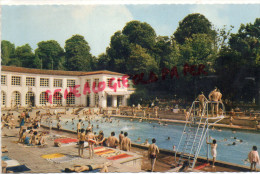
column 25, row 86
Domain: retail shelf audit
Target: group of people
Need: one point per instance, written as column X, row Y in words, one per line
column 8, row 121
column 31, row 137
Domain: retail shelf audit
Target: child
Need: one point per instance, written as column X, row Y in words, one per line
column 253, row 157
column 213, row 146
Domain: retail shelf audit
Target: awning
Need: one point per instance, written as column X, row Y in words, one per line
column 119, row 92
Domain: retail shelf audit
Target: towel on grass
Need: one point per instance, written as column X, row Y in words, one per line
column 120, row 156
column 21, row 168
column 51, row 156
column 4, row 158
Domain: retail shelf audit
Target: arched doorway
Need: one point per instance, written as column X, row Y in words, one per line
column 30, row 99
column 109, row 100
column 57, row 98
column 70, row 99
column 15, row 99
column 87, row 100
column 43, row 98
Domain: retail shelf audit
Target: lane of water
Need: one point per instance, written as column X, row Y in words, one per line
column 148, row 130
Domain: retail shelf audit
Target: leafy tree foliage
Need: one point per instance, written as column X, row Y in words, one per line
column 193, row 24
column 7, row 51
column 25, row 56
column 78, row 57
column 140, row 33
column 51, row 55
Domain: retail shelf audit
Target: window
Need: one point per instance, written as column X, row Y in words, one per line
column 57, row 98
column 96, row 99
column 30, row 81
column 3, row 99
column 108, row 81
column 43, row 98
column 16, row 80
column 89, row 82
column 3, row 80
column 96, row 81
column 70, row 83
column 57, row 83
column 44, row 82
column 28, row 97
column 16, row 98
column 70, row 98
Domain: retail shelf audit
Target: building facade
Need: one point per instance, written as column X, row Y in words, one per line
column 24, row 87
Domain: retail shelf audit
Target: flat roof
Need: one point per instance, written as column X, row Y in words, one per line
column 56, row 72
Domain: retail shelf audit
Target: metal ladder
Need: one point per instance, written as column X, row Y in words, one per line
column 194, row 132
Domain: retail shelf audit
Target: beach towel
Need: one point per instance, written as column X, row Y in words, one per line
column 66, row 158
column 51, row 156
column 92, row 171
column 120, row 156
column 111, row 154
column 12, row 163
column 4, row 158
column 201, row 166
column 66, row 140
column 21, row 168
column 105, row 152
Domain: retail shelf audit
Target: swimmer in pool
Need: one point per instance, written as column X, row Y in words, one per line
column 168, row 138
column 139, row 139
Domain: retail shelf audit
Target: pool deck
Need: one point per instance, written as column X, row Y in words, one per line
column 31, row 157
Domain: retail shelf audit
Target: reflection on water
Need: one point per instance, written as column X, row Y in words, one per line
column 232, row 146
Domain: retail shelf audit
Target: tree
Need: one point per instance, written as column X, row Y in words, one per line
column 118, row 52
column 25, row 56
column 140, row 33
column 51, row 55
column 193, row 24
column 103, row 62
column 7, row 51
column 140, row 61
column 78, row 56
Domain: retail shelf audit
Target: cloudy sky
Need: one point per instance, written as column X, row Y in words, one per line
column 97, row 23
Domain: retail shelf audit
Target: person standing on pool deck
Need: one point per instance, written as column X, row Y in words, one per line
column 153, row 150
column 90, row 137
column 79, row 127
column 126, row 143
column 253, row 157
column 121, row 136
column 213, row 146
column 81, row 138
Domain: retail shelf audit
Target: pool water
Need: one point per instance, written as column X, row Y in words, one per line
column 149, row 130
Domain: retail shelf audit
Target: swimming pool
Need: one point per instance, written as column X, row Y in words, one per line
column 148, row 130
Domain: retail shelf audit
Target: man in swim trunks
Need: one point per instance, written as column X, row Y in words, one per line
column 215, row 96
column 201, row 99
column 112, row 140
column 121, row 136
column 126, row 143
column 90, row 137
column 79, row 127
column 153, row 150
column 81, row 138
column 82, row 168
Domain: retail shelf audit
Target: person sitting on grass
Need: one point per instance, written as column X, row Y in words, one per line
column 82, row 168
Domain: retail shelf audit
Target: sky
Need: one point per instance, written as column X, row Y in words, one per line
column 31, row 24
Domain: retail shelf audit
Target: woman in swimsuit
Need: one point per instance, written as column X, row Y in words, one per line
column 213, row 146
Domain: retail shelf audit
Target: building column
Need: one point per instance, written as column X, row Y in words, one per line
column 124, row 100
column 103, row 100
column 8, row 96
column 114, row 101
